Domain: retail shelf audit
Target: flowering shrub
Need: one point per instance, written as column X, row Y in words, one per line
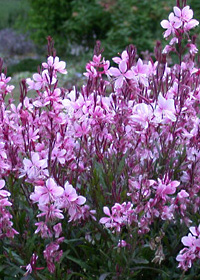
column 104, row 182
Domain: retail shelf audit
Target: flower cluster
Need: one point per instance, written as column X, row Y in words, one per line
column 191, row 252
column 6, row 225
column 181, row 19
column 121, row 215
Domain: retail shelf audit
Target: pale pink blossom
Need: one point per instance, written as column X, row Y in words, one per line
column 48, row 193
column 35, row 168
column 192, row 48
column 3, row 193
column 120, row 74
column 171, row 25
column 190, row 253
column 97, row 67
column 124, row 57
column 142, row 114
column 184, row 17
column 140, row 71
column 71, row 197
column 56, row 64
column 165, row 109
column 40, row 81
column 50, row 212
column 163, row 189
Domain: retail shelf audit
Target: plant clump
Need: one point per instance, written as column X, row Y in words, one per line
column 105, row 179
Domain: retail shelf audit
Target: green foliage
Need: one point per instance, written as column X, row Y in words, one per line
column 117, row 23
column 71, row 21
column 27, row 64
column 136, row 22
column 13, row 13
column 88, row 22
column 47, row 18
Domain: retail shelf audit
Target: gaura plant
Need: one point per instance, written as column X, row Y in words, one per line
column 103, row 182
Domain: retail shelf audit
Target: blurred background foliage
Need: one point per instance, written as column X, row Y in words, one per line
column 75, row 25
column 116, row 23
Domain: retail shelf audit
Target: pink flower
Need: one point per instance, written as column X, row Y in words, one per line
column 191, row 24
column 72, row 202
column 140, row 71
column 5, row 202
column 57, row 229
column 185, row 259
column 32, row 265
column 184, row 17
column 164, row 189
column 142, row 114
column 3, row 193
column 81, row 129
column 171, row 24
column 94, row 68
column 56, row 64
column 52, row 254
column 91, row 71
column 179, row 19
column 190, row 253
column 45, row 194
column 35, row 167
column 188, row 240
column 173, row 91
column 71, row 195
column 69, row 192
column 120, row 74
column 4, row 88
column 27, row 104
column 192, row 48
column 165, row 110
column 51, row 212
column 59, row 154
column 114, row 219
column 124, row 57
column 182, row 194
column 6, row 224
column 122, row 244
column 106, row 220
column 43, row 229
column 40, row 81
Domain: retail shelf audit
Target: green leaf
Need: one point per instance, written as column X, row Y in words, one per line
column 121, row 164
column 15, row 256
column 74, row 273
column 150, row 268
column 140, row 261
column 2, row 267
column 104, row 275
column 79, row 262
column 100, row 173
column 73, row 240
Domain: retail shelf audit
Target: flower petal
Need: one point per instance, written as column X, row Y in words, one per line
column 113, row 71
